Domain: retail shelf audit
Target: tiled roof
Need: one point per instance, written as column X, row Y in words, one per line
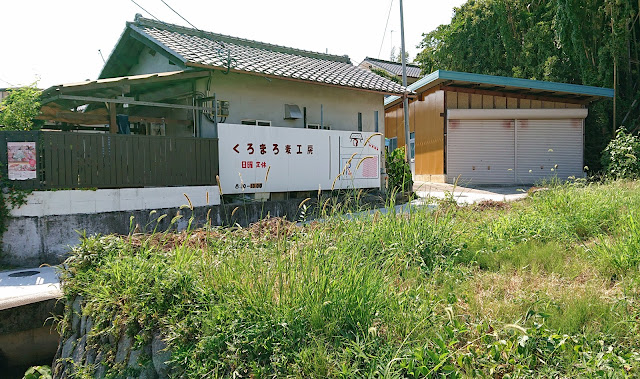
column 395, row 68
column 217, row 50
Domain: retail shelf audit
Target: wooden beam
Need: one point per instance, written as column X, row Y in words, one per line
column 113, row 125
column 169, row 92
column 171, row 121
column 517, row 95
column 70, row 118
column 91, row 99
column 130, row 81
column 92, row 119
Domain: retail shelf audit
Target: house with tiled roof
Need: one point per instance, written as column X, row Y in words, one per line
column 392, row 68
column 179, row 112
column 254, row 82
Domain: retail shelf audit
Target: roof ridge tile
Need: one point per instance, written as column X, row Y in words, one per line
column 146, row 22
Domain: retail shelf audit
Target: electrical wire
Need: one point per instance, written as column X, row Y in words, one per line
column 140, row 6
column 174, row 11
column 385, row 29
column 11, row 84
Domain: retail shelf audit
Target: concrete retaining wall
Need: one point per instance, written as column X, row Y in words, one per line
column 27, row 334
column 51, row 203
column 32, row 240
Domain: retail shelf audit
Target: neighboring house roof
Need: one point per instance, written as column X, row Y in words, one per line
column 507, row 85
column 395, row 68
column 186, row 47
column 112, row 84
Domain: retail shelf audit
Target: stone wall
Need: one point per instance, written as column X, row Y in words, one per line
column 86, row 350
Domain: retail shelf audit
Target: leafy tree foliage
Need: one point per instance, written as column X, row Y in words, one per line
column 385, row 74
column 18, row 110
column 570, row 41
column 620, row 158
column 400, row 179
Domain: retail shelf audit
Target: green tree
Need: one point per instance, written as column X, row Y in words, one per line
column 18, row 110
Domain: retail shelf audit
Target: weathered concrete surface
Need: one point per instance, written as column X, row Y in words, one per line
column 32, row 241
column 22, row 287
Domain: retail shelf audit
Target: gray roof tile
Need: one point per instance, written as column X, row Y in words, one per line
column 211, row 49
column 395, row 68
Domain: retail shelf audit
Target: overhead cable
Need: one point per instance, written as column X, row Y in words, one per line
column 385, row 29
column 174, row 11
column 140, row 6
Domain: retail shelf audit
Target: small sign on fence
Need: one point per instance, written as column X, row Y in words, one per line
column 21, row 160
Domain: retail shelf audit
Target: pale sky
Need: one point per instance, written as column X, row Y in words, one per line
column 57, row 41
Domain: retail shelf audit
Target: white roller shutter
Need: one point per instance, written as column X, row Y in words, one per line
column 481, row 151
column 548, row 148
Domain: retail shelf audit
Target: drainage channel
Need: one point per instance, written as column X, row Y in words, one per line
column 28, row 301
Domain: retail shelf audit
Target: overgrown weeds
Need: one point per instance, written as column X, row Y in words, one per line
column 547, row 286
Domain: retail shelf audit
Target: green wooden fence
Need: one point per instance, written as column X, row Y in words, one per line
column 82, row 160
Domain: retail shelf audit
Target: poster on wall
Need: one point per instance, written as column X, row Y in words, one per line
column 278, row 159
column 21, row 160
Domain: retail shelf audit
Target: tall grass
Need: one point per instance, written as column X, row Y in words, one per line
column 456, row 292
column 621, row 252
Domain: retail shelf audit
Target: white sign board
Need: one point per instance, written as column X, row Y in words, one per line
column 276, row 159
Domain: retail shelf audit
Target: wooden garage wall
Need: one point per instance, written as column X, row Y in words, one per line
column 426, row 111
column 464, row 100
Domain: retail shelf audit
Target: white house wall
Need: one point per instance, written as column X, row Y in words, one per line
column 254, row 97
column 259, row 98
column 149, row 64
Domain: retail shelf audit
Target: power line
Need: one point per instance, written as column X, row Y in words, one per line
column 140, row 6
column 174, row 11
column 385, row 29
column 11, row 84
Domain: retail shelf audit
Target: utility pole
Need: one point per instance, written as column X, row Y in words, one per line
column 615, row 94
column 405, row 98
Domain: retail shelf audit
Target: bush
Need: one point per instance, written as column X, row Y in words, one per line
column 399, row 172
column 18, row 110
column 620, row 157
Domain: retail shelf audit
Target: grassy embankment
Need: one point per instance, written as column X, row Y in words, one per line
column 548, row 286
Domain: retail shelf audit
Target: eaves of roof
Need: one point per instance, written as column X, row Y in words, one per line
column 507, row 84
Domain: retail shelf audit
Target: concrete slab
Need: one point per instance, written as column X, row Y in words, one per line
column 469, row 195
column 27, row 286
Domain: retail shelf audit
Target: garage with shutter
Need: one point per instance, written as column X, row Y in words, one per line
column 514, row 146
column 484, row 129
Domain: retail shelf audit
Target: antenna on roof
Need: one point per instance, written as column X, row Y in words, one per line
column 139, row 6
column 174, row 11
column 101, row 56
